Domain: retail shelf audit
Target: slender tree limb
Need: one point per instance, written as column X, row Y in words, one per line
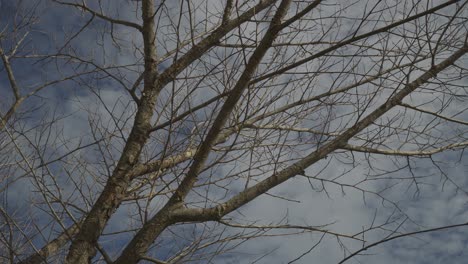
column 435, row 114
column 400, row 236
column 102, row 16
column 309, row 228
column 418, row 153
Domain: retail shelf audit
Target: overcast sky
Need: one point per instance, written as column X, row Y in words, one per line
column 437, row 202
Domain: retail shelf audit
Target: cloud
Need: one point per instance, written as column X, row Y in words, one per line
column 334, row 195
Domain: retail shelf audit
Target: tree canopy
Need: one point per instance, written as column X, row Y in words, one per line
column 247, row 131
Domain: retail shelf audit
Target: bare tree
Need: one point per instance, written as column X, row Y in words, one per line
column 168, row 131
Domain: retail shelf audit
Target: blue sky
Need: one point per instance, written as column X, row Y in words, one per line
column 95, row 106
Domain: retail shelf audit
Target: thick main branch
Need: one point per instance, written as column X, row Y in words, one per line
column 299, row 167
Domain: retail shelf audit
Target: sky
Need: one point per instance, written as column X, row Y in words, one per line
column 97, row 63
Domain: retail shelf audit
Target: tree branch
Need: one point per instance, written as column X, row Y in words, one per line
column 419, row 153
column 102, row 16
column 353, row 39
column 150, row 230
column 215, row 213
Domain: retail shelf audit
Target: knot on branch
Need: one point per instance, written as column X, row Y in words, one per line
column 220, row 211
